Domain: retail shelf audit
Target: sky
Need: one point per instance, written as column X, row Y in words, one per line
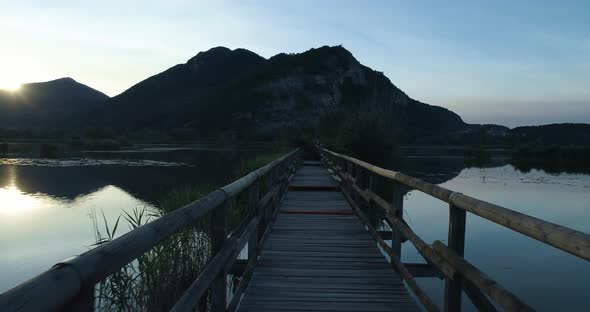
column 505, row 62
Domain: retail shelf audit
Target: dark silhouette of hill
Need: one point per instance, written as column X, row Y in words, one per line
column 164, row 100
column 47, row 104
column 561, row 134
column 237, row 92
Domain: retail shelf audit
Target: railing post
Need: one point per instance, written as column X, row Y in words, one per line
column 275, row 196
column 357, row 175
column 456, row 242
column 84, row 302
column 371, row 204
column 398, row 205
column 253, row 196
column 219, row 231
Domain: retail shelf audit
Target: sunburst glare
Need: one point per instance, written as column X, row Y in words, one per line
column 14, row 201
column 6, row 83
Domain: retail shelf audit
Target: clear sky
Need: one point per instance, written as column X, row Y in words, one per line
column 508, row 62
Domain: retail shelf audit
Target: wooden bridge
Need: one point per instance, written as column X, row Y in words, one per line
column 315, row 236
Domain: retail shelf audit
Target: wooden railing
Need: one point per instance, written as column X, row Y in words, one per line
column 70, row 285
column 359, row 183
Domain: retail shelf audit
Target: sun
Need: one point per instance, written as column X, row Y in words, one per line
column 6, row 83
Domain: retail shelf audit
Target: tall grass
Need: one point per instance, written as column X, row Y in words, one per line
column 158, row 278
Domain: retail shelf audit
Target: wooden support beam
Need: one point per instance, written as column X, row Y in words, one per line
column 219, row 232
column 424, row 249
column 84, row 302
column 211, row 273
column 456, row 239
column 490, row 287
column 423, row 270
column 569, row 240
column 397, row 264
column 398, row 207
column 477, row 297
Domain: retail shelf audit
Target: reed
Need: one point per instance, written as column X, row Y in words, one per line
column 158, row 278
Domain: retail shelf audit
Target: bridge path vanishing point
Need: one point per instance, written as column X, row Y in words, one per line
column 319, row 257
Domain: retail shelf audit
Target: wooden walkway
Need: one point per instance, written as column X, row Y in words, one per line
column 319, row 257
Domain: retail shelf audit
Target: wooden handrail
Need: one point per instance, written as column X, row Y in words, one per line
column 399, row 267
column 459, row 274
column 505, row 298
column 61, row 286
column 192, row 296
column 569, row 240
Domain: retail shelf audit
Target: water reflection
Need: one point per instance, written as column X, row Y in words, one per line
column 45, row 213
column 38, row 230
column 46, row 205
column 527, row 267
column 148, row 182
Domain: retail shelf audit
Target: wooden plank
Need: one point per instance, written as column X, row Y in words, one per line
column 322, row 262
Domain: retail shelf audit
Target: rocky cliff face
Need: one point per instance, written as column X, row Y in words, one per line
column 297, row 89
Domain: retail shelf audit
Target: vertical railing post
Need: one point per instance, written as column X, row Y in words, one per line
column 84, row 302
column 356, row 174
column 261, row 189
column 372, row 186
column 398, row 205
column 219, row 231
column 253, row 196
column 456, row 240
column 275, row 195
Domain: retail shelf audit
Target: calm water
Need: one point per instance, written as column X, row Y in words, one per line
column 45, row 209
column 46, row 205
column 546, row 278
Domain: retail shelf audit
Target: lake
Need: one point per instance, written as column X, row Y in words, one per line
column 544, row 277
column 46, row 205
column 46, row 208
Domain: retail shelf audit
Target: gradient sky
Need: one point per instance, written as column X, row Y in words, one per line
column 507, row 62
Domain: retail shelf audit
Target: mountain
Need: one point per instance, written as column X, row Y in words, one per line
column 47, row 104
column 164, row 100
column 553, row 134
column 239, row 94
column 244, row 94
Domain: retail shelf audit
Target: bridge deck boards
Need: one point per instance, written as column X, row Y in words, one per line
column 315, row 260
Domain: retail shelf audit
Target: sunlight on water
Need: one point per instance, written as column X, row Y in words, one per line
column 16, row 202
column 38, row 230
column 13, row 201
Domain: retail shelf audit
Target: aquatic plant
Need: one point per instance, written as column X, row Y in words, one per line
column 158, row 278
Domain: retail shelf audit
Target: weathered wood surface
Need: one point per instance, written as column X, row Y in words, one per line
column 319, row 257
column 503, row 297
column 574, row 242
